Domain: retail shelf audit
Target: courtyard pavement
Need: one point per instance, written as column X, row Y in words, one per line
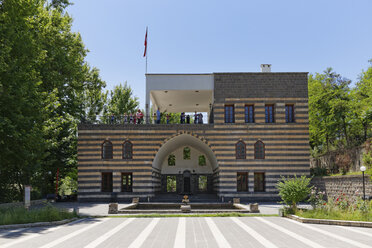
column 223, row 232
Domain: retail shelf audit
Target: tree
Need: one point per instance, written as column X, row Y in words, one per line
column 121, row 101
column 329, row 110
column 362, row 99
column 43, row 76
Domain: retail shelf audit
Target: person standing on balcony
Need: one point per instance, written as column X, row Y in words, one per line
column 158, row 116
column 188, row 119
column 183, row 118
column 168, row 117
column 139, row 116
column 112, row 118
column 130, row 118
column 200, row 118
column 125, row 118
column 195, row 118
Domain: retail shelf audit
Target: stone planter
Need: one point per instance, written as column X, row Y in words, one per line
column 253, row 207
column 113, row 208
column 185, row 208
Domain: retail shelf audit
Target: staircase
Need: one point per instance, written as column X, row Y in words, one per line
column 176, row 198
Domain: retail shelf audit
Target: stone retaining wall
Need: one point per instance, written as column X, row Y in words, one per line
column 336, row 185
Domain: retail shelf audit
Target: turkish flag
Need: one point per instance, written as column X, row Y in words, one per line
column 144, row 54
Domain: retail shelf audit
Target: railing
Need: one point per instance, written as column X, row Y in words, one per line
column 114, row 119
column 128, row 120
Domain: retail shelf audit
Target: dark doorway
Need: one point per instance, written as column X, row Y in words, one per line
column 186, row 182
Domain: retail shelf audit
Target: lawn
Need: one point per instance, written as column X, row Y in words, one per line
column 20, row 215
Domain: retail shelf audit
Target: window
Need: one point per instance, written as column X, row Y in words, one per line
column 202, row 161
column 229, row 114
column 289, row 113
column 127, row 150
column 242, row 181
column 126, row 182
column 106, row 182
column 240, row 150
column 259, row 182
column 171, row 184
column 269, row 113
column 259, row 150
column 203, row 183
column 186, row 153
column 171, row 160
column 107, row 150
column 249, row 113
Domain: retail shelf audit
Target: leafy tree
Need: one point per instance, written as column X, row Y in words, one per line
column 293, row 190
column 329, row 110
column 121, row 101
column 43, row 76
column 362, row 100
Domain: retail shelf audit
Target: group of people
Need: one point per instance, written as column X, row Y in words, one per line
column 184, row 119
column 137, row 118
column 198, row 118
column 131, row 118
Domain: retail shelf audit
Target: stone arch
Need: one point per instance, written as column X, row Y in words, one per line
column 184, row 139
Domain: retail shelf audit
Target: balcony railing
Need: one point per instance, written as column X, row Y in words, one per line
column 128, row 120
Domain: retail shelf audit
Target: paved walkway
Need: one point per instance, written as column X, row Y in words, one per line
column 223, row 232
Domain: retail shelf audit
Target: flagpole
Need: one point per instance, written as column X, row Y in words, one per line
column 147, row 30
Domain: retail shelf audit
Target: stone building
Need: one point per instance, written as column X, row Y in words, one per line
column 255, row 130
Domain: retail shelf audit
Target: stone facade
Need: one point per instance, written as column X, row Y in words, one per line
column 286, row 145
column 348, row 185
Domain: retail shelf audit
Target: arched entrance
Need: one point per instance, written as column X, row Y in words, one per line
column 185, row 165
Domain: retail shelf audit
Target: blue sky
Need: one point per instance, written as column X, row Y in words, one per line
column 223, row 36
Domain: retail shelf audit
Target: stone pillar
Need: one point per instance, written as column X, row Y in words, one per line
column 147, row 107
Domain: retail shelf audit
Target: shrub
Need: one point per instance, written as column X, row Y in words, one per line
column 294, row 190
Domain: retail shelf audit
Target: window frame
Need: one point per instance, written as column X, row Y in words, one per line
column 267, row 113
column 206, row 185
column 247, row 115
column 173, row 158
column 239, row 187
column 200, row 159
column 229, row 118
column 128, row 179
column 102, row 150
column 124, row 153
column 184, row 153
column 263, row 148
column 236, row 150
column 291, row 112
column 255, row 186
column 104, row 183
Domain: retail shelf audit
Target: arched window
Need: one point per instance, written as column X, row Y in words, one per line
column 202, row 161
column 186, row 153
column 240, row 150
column 172, row 160
column 259, row 150
column 127, row 150
column 107, row 150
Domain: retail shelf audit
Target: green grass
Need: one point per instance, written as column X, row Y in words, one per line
column 335, row 215
column 191, row 215
column 20, row 215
